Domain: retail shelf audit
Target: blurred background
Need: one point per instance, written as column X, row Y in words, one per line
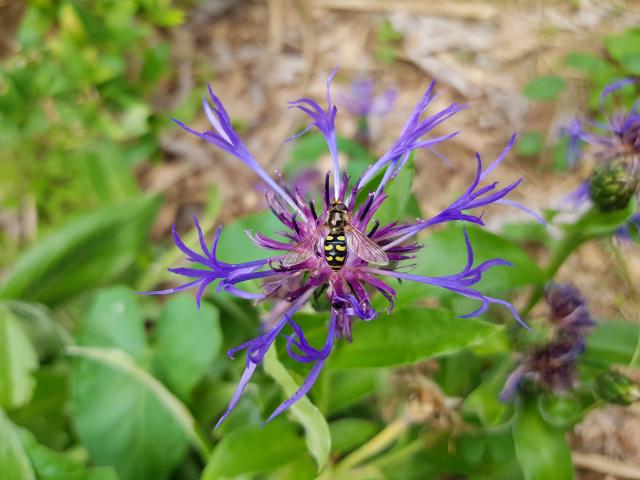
column 93, row 173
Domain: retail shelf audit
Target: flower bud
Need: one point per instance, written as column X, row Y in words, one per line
column 614, row 387
column 612, row 187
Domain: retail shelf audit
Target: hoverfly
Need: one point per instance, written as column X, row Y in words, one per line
column 340, row 239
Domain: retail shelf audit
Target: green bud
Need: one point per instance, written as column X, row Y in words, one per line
column 613, row 387
column 611, row 188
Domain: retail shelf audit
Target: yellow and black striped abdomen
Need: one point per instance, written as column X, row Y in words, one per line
column 335, row 249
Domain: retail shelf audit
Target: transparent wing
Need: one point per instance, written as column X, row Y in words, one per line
column 365, row 248
column 305, row 248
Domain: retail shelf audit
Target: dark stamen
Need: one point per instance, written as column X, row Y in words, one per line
column 367, row 206
column 312, row 206
column 295, row 225
column 376, row 224
column 326, row 189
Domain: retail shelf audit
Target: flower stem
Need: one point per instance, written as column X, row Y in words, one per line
column 559, row 255
column 374, row 446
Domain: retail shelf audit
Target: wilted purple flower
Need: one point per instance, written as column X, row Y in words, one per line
column 552, row 366
column 338, row 248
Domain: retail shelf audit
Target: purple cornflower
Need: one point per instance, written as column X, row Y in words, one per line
column 552, row 366
column 617, row 154
column 369, row 256
column 616, row 139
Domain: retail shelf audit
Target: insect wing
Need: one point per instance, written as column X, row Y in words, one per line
column 365, row 248
column 304, row 249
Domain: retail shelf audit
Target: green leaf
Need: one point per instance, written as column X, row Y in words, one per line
column 111, row 176
column 46, row 335
column 444, row 253
column 252, row 449
column 530, row 143
column 349, row 433
column 18, row 360
column 613, row 342
column 119, row 409
column 345, row 387
column 544, row 88
column 304, row 412
column 88, row 251
column 51, row 465
column 236, row 246
column 542, row 451
column 585, row 62
column 114, row 320
column 187, row 342
column 483, row 403
column 14, row 463
column 623, row 46
column 411, row 335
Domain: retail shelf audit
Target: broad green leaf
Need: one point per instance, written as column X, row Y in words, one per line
column 530, row 143
column 410, row 335
column 625, row 45
column 306, row 413
column 349, row 433
column 46, row 335
column 18, row 360
column 236, row 246
column 46, row 414
column 544, row 88
column 585, row 62
column 88, row 251
column 187, row 342
column 119, row 409
column 114, row 320
column 51, row 465
column 345, row 387
column 613, row 342
column 444, row 253
column 14, row 463
column 254, row 449
column 542, row 451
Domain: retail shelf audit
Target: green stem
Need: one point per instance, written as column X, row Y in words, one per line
column 374, row 446
column 562, row 251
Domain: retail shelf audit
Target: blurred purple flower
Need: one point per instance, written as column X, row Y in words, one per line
column 363, row 102
column 304, row 269
column 618, row 137
column 615, row 177
column 552, row 366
